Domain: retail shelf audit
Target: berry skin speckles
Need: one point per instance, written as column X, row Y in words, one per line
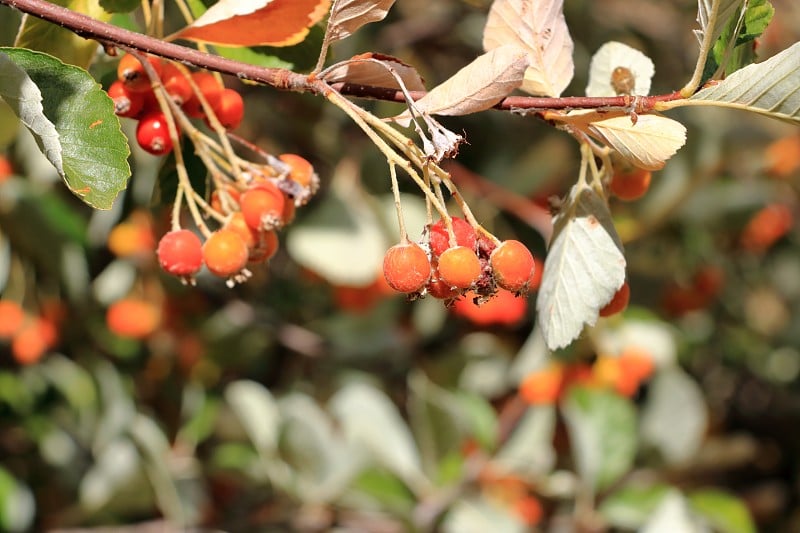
column 406, row 267
column 180, row 253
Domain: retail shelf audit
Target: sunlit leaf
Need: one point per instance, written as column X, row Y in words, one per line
column 713, row 15
column 539, row 27
column 43, row 36
column 349, row 15
column 373, row 69
column 92, row 153
column 737, row 51
column 479, row 516
column 584, row 267
column 257, row 411
column 630, row 506
column 17, row 505
column 255, row 22
column 602, row 431
column 529, row 450
column 725, row 512
column 770, row 88
column 647, row 143
column 672, row 515
column 478, row 86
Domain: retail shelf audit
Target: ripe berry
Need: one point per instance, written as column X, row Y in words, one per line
column 439, row 289
column 512, row 266
column 180, row 253
column 176, row 84
column 266, row 247
column 630, row 185
column 262, row 206
column 459, row 267
column 210, row 87
column 300, row 171
column 637, row 362
column 249, row 235
column 619, row 302
column 11, row 318
column 229, row 109
column 440, row 238
column 766, row 227
column 126, row 103
column 543, row 387
column 133, row 318
column 152, row 134
column 28, row 345
column 225, row 253
column 503, row 309
column 406, row 267
column 131, row 72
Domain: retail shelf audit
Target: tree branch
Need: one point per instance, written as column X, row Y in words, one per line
column 111, row 36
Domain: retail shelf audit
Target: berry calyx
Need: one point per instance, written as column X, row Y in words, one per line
column 440, row 238
column 152, row 134
column 618, row 303
column 225, row 253
column 126, row 102
column 630, row 184
column 229, row 108
column 180, row 253
column 263, row 206
column 512, row 266
column 406, row 267
column 300, row 170
column 459, row 267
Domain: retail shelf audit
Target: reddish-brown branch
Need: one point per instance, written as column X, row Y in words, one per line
column 110, row 35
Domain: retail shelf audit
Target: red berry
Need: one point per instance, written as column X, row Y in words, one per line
column 766, row 227
column 229, row 109
column 630, row 185
column 131, row 72
column 459, row 267
column 176, row 84
column 152, row 134
column 180, row 253
column 263, row 206
column 619, row 302
column 225, row 253
column 502, row 309
column 126, row 103
column 406, row 267
column 440, row 238
column 512, row 266
column 210, row 87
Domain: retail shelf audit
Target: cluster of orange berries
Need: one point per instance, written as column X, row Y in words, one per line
column 30, row 336
column 133, row 97
column 451, row 267
column 254, row 214
column 623, row 373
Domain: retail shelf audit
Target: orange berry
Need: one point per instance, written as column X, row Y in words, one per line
column 608, row 371
column 233, row 198
column 210, row 87
column 512, row 266
column 637, row 362
column 543, row 386
column 175, row 83
column 618, row 302
column 766, row 227
column 12, row 318
column 783, row 156
column 300, row 171
column 225, row 253
column 630, row 185
column 262, row 206
column 131, row 238
column 266, row 247
column 249, row 235
column 529, row 509
column 6, row 168
column 131, row 72
column 459, row 267
column 440, row 238
column 289, row 209
column 439, row 289
column 28, row 345
column 133, row 318
column 504, row 308
column 229, row 108
column 536, row 275
column 406, row 267
column 180, row 253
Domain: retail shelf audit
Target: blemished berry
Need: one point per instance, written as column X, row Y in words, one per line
column 131, row 72
column 133, row 318
column 630, row 185
column 440, row 238
column 12, row 318
column 126, row 103
column 300, row 171
column 262, row 206
column 459, row 267
column 406, row 267
column 229, row 109
column 225, row 253
column 618, row 303
column 210, row 87
column 175, row 83
column 152, row 134
column 512, row 266
column 180, row 253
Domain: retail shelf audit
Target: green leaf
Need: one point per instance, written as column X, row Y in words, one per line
column 770, row 88
column 739, row 52
column 43, row 36
column 629, row 507
column 726, row 513
column 89, row 150
column 17, row 506
column 713, row 15
column 386, row 489
column 119, row 6
column 585, row 266
column 602, row 430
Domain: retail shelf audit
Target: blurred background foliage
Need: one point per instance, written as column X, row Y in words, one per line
column 310, row 399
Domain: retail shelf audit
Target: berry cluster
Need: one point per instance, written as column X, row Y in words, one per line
column 133, row 97
column 457, row 259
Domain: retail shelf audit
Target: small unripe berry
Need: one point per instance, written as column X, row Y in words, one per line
column 225, row 253
column 459, row 267
column 512, row 266
column 619, row 302
column 440, row 238
column 406, row 267
column 180, row 253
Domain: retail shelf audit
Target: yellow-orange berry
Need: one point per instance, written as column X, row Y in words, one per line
column 406, row 267
column 543, row 386
column 630, row 185
column 262, row 206
column 618, row 302
column 459, row 267
column 133, row 318
column 512, row 266
column 266, row 247
column 300, row 171
column 225, row 253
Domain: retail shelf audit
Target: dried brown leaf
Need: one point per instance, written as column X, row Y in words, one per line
column 375, row 70
column 349, row 15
